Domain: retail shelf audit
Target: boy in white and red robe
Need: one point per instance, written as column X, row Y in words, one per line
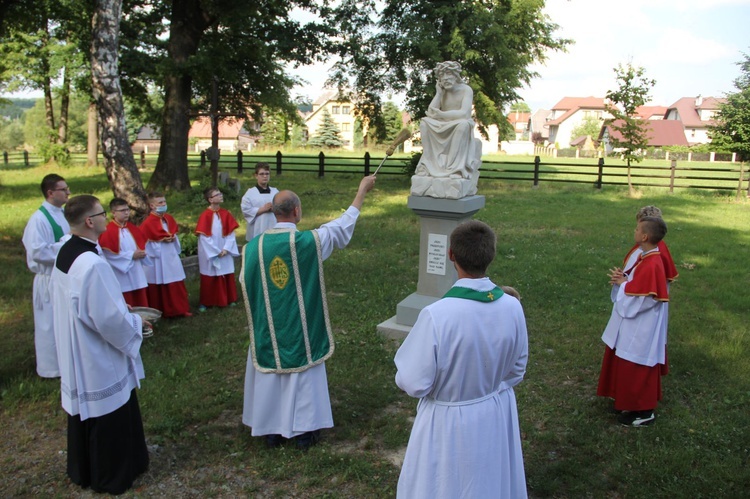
column 635, row 335
column 166, row 278
column 124, row 248
column 217, row 247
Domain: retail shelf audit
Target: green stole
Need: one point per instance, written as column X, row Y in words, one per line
column 472, row 294
column 284, row 290
column 56, row 229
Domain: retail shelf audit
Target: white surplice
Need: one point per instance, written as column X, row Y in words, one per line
column 209, row 247
column 462, row 359
column 251, row 202
column 130, row 272
column 295, row 403
column 41, row 250
column 98, row 339
column 167, row 267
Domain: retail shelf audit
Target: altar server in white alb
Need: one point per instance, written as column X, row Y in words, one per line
column 462, row 359
column 42, row 240
column 256, row 203
column 124, row 247
column 286, row 389
column 100, row 364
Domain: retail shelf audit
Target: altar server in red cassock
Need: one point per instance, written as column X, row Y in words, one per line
column 635, row 335
column 124, row 248
column 166, row 278
column 217, row 247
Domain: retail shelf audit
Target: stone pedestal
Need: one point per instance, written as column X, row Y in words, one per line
column 438, row 218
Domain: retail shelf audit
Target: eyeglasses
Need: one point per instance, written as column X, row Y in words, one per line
column 104, row 213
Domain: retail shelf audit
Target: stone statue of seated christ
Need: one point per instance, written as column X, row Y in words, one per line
column 450, row 150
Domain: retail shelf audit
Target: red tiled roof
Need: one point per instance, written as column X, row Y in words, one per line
column 647, row 112
column 687, row 107
column 660, row 133
column 573, row 104
column 227, row 129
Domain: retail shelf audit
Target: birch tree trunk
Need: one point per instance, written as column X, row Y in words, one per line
column 62, row 125
column 124, row 178
column 92, row 144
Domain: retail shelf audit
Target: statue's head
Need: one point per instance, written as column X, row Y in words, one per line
column 449, row 68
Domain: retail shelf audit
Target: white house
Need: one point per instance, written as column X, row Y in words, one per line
column 696, row 115
column 571, row 112
column 341, row 111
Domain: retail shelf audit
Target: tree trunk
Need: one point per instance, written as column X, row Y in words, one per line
column 62, row 130
column 188, row 22
column 630, row 183
column 47, row 85
column 120, row 165
column 92, row 145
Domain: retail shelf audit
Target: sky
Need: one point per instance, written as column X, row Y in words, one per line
column 690, row 47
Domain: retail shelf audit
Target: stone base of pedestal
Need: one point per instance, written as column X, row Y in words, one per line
column 438, row 218
column 442, row 188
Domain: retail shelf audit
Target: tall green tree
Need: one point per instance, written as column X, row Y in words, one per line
column 732, row 129
column 496, row 42
column 327, row 135
column 631, row 132
column 273, row 131
column 520, row 106
column 244, row 45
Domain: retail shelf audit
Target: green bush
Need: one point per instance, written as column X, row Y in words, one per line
column 189, row 244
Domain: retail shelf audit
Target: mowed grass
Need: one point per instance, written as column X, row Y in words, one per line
column 555, row 244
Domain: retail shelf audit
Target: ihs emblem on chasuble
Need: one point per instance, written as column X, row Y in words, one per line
column 279, row 272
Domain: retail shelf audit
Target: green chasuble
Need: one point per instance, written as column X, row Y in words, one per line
column 284, row 290
column 56, row 229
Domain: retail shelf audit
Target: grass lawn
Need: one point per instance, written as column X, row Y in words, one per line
column 555, row 246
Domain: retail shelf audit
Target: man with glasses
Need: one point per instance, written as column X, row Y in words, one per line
column 42, row 240
column 124, row 248
column 256, row 203
column 99, row 342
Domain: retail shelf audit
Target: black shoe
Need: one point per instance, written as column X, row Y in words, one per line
column 307, row 439
column 273, row 441
column 636, row 419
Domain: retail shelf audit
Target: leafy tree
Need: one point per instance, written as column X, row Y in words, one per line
column 732, row 130
column 273, row 130
column 495, row 41
column 393, row 121
column 11, row 134
column 520, row 106
column 590, row 126
column 630, row 132
column 327, row 134
column 297, row 137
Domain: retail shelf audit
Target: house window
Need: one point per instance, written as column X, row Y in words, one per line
column 344, row 109
column 692, row 132
column 335, row 110
column 346, row 127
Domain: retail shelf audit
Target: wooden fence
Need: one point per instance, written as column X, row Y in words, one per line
column 678, row 175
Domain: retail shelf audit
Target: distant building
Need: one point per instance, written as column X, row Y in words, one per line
column 571, row 112
column 696, row 115
column 233, row 134
column 147, row 141
column 539, row 124
column 341, row 111
column 660, row 133
column 521, row 123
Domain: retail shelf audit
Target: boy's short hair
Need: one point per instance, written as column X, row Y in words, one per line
column 473, row 245
column 154, row 195
column 117, row 202
column 654, row 227
column 648, row 211
column 49, row 182
column 208, row 190
column 78, row 208
column 262, row 165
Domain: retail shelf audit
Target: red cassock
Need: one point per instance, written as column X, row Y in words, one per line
column 221, row 290
column 110, row 241
column 636, row 387
column 172, row 297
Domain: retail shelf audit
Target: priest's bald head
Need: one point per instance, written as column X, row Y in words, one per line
column 287, row 207
column 472, row 248
column 86, row 216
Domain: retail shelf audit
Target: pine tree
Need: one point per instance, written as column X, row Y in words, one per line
column 273, row 131
column 327, row 134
